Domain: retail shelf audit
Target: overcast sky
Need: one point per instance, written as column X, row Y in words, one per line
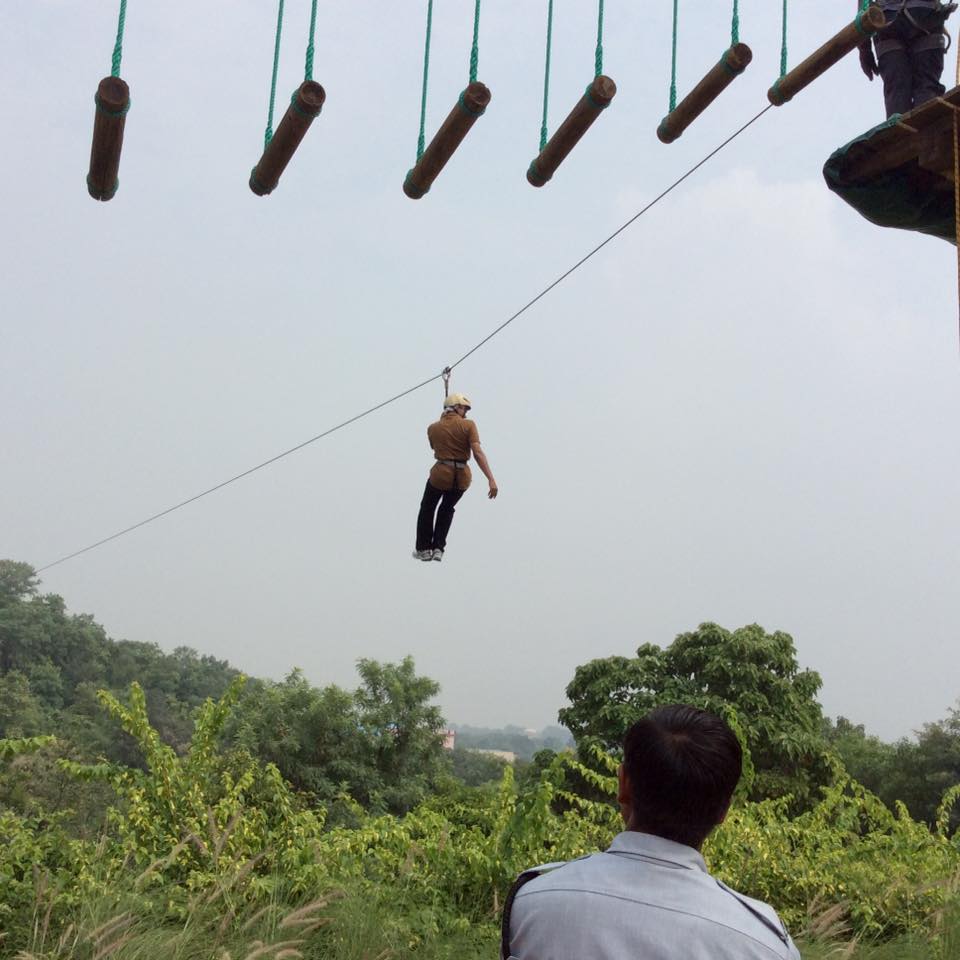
column 745, row 409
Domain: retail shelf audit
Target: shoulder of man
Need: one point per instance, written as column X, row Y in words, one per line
column 522, row 880
column 763, row 912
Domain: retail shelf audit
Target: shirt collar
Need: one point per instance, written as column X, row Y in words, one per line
column 632, row 842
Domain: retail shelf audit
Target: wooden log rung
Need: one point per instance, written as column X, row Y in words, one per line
column 594, row 101
column 112, row 101
column 471, row 104
column 864, row 26
column 734, row 61
column 305, row 106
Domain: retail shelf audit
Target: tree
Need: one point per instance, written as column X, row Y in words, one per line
column 402, row 728
column 17, row 581
column 474, row 768
column 312, row 735
column 754, row 673
column 21, row 714
column 866, row 758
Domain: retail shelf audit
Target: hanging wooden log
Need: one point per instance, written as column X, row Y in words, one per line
column 866, row 24
column 596, row 99
column 733, row 62
column 305, row 107
column 113, row 102
column 471, row 104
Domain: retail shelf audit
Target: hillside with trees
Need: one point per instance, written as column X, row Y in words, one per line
column 159, row 803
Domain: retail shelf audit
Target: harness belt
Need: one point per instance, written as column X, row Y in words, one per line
column 456, row 464
column 935, row 39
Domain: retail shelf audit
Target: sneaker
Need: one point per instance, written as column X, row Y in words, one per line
column 438, row 555
column 422, row 554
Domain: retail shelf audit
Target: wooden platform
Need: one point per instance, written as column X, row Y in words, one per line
column 924, row 135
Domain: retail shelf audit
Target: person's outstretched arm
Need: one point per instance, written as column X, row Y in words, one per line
column 484, row 465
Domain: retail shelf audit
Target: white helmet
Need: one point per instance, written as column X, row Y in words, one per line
column 457, row 400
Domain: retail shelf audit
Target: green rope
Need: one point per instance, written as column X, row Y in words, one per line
column 475, row 49
column 118, row 46
column 673, row 67
column 783, row 43
column 421, row 140
column 308, row 70
column 268, row 133
column 546, row 76
column 735, row 25
column 598, row 56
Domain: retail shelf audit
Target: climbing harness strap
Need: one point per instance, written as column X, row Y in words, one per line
column 458, row 464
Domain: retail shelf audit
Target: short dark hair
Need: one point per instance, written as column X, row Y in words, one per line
column 683, row 765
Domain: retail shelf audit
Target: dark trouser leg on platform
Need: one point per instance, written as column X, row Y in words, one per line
column 897, row 76
column 910, row 58
column 445, row 517
column 927, row 69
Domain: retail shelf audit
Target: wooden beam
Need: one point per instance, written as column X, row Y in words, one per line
column 471, row 104
column 838, row 46
column 733, row 62
column 305, row 107
column 596, row 99
column 113, row 102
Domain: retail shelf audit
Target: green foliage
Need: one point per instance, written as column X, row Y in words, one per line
column 914, row 772
column 204, row 847
column 52, row 663
column 749, row 670
column 380, row 745
column 403, row 729
column 474, row 768
column 221, row 854
column 20, row 747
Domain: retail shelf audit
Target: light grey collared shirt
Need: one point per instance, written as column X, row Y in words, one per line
column 645, row 898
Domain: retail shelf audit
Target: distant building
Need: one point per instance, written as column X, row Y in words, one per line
column 507, row 755
column 449, row 738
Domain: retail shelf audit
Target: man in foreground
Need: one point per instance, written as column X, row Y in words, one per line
column 909, row 52
column 649, row 896
column 453, row 438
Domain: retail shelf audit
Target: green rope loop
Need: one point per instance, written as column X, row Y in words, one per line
column 308, row 70
column 598, row 55
column 475, row 49
column 735, row 24
column 673, row 66
column 421, row 140
column 268, row 133
column 546, row 76
column 118, row 46
column 783, row 42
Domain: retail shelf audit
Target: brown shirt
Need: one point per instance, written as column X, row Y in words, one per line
column 451, row 438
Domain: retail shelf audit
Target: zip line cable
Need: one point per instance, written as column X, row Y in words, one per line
column 399, row 396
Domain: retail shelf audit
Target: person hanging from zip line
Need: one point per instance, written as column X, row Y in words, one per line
column 453, row 438
column 910, row 52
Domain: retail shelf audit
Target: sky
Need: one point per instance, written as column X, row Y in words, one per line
column 743, row 410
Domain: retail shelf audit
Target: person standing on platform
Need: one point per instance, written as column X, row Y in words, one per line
column 909, row 52
column 453, row 438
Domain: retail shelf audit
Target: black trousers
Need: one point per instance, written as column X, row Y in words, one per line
column 432, row 535
column 910, row 77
